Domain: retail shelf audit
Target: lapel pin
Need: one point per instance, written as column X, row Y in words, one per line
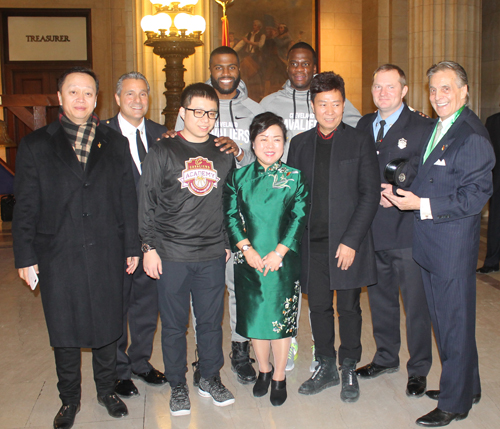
column 402, row 143
column 99, row 145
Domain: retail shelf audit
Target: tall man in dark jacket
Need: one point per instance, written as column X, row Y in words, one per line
column 452, row 186
column 341, row 166
column 140, row 297
column 398, row 133
column 75, row 222
column 492, row 259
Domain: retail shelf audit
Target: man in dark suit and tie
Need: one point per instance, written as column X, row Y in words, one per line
column 398, row 133
column 341, row 167
column 452, row 186
column 140, row 297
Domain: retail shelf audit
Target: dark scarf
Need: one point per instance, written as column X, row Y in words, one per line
column 80, row 136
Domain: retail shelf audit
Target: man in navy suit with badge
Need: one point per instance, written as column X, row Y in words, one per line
column 140, row 297
column 398, row 133
column 453, row 184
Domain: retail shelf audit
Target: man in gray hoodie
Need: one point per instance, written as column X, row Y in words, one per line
column 236, row 112
column 293, row 102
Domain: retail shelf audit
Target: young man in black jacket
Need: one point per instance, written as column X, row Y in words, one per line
column 184, row 243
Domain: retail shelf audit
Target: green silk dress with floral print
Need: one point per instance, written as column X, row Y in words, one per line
column 267, row 207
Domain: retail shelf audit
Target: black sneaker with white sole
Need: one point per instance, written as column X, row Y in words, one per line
column 213, row 387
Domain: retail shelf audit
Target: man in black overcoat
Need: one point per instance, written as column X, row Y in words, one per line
column 341, row 166
column 491, row 262
column 140, row 297
column 75, row 223
column 398, row 133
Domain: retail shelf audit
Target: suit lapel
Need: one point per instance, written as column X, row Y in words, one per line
column 99, row 147
column 447, row 140
column 64, row 150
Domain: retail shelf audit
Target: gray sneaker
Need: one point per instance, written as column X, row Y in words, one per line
column 179, row 400
column 213, row 387
column 350, row 387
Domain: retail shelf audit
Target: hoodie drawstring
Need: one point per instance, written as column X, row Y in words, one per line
column 231, row 113
column 294, row 105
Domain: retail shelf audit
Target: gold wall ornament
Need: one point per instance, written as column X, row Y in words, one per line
column 224, row 4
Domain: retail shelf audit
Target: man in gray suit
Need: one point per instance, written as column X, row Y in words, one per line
column 453, row 184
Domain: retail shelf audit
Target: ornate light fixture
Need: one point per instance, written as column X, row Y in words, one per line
column 174, row 31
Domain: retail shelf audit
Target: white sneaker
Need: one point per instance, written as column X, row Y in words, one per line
column 314, row 362
column 292, row 355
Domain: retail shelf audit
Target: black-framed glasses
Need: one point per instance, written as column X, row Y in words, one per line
column 198, row 113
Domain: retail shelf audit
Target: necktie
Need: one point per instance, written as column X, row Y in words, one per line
column 380, row 134
column 432, row 145
column 140, row 146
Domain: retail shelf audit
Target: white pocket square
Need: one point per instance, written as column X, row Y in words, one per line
column 441, row 162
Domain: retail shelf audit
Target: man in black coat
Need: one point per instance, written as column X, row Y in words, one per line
column 75, row 223
column 398, row 133
column 140, row 297
column 341, row 166
column 491, row 262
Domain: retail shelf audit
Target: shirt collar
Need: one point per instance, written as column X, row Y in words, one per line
column 391, row 120
column 127, row 128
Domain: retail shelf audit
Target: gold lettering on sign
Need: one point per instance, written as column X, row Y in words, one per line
column 47, row 38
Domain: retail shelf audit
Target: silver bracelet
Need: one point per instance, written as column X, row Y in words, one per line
column 281, row 256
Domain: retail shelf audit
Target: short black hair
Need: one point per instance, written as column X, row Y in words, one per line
column 263, row 121
column 307, row 46
column 198, row 90
column 327, row 81
column 223, row 50
column 84, row 70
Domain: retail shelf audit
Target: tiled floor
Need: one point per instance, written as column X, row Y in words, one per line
column 29, row 398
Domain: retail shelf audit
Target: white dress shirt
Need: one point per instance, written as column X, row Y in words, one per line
column 129, row 131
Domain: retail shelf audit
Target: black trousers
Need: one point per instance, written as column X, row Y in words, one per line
column 397, row 270
column 204, row 283
column 68, row 367
column 452, row 306
column 140, row 310
column 322, row 314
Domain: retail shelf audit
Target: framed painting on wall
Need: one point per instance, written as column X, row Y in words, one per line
column 275, row 25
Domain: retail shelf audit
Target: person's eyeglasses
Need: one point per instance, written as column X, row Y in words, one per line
column 198, row 113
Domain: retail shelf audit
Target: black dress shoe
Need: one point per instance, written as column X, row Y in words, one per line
column 486, row 270
column 373, row 370
column 416, row 386
column 434, row 394
column 126, row 388
column 437, row 418
column 65, row 417
column 153, row 377
column 115, row 406
column 278, row 392
column 261, row 386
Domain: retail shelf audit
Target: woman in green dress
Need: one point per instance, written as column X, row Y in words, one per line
column 266, row 205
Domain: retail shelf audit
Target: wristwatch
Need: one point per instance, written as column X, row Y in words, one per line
column 245, row 247
column 146, row 248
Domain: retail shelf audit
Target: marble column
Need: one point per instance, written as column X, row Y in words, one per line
column 443, row 30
